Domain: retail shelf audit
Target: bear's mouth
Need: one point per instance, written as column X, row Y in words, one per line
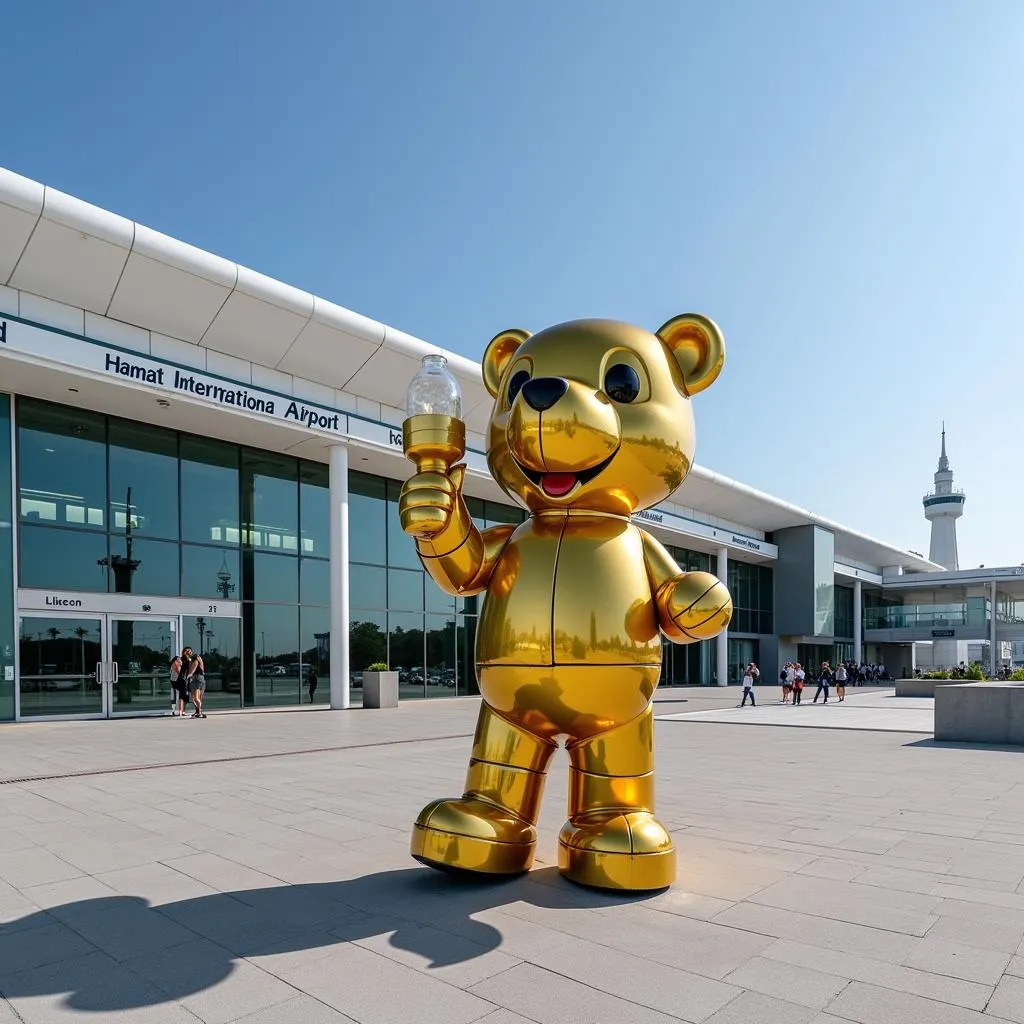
column 558, row 485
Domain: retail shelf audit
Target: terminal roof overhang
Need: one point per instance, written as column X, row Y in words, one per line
column 59, row 247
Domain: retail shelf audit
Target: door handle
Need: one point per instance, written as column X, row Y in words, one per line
column 99, row 673
column 117, row 674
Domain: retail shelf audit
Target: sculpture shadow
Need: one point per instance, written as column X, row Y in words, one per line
column 198, row 941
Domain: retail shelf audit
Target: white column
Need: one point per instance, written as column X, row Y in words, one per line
column 339, row 577
column 992, row 633
column 722, row 655
column 858, row 621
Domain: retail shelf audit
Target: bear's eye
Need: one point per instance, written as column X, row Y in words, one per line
column 515, row 385
column 622, row 383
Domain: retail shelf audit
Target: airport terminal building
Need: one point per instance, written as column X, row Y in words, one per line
column 193, row 453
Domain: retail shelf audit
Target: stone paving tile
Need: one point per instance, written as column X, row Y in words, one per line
column 387, row 992
column 958, row 960
column 803, row 985
column 1016, row 966
column 50, row 943
column 875, row 972
column 91, row 987
column 754, row 1008
column 984, row 913
column 156, row 883
column 549, row 998
column 34, row 866
column 56, row 895
column 124, row 926
column 868, row 1004
column 300, row 1010
column 206, row 980
column 1008, row 1000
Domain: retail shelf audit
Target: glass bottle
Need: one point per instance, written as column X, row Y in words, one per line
column 434, row 390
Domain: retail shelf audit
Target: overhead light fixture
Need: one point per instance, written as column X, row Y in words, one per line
column 163, row 403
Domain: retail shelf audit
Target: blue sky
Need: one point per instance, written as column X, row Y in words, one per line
column 838, row 185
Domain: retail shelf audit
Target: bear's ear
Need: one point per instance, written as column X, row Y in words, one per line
column 501, row 348
column 698, row 347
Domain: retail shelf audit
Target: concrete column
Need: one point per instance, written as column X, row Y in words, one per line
column 722, row 655
column 992, row 633
column 339, row 577
column 858, row 622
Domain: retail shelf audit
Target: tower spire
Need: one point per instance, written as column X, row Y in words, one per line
column 943, row 461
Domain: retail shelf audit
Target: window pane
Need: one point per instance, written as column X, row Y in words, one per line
column 405, row 653
column 276, row 634
column 496, row 514
column 405, row 590
column 271, row 509
column 465, row 647
column 62, row 559
column 62, row 466
column 367, row 586
column 367, row 512
column 6, row 569
column 209, row 572
column 314, row 509
column 367, row 644
column 144, row 463
column 275, row 578
column 209, row 491
column 440, row 648
column 436, row 599
column 151, row 569
column 219, row 641
column 58, row 666
column 315, row 624
column 315, row 581
column 401, row 547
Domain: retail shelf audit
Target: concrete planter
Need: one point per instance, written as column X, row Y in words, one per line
column 980, row 713
column 380, row 689
column 921, row 687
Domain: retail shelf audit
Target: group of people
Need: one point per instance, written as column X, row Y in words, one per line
column 793, row 679
column 188, row 678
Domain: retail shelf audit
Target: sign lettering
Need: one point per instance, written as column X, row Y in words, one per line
column 56, row 601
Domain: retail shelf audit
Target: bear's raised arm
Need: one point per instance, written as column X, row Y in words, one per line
column 691, row 606
column 458, row 556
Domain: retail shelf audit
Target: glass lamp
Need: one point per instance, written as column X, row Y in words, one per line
column 434, row 435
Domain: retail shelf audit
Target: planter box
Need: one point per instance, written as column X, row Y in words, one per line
column 980, row 713
column 921, row 687
column 380, row 689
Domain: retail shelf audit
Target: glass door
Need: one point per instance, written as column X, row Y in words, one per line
column 140, row 656
column 62, row 666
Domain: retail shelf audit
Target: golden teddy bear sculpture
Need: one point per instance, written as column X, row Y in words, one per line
column 591, row 424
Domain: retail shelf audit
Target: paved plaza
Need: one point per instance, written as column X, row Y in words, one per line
column 254, row 868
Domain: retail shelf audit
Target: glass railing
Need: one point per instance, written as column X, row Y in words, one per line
column 972, row 612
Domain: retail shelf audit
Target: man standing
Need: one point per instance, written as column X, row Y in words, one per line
column 748, row 685
column 824, row 681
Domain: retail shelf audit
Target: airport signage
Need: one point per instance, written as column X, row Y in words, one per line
column 936, row 633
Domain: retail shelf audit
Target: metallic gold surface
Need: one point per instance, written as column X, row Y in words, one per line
column 591, row 423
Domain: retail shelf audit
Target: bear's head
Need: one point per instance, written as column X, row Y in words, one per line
column 594, row 414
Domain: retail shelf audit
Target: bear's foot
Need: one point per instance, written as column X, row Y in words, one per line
column 473, row 835
column 611, row 849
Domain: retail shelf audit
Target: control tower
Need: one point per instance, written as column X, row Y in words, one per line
column 942, row 508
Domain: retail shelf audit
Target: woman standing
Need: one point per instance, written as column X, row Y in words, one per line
column 179, row 686
column 841, row 681
column 798, row 683
column 824, row 682
column 195, row 676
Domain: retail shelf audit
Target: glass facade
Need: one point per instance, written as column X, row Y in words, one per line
column 824, row 582
column 6, row 567
column 844, row 612
column 752, row 590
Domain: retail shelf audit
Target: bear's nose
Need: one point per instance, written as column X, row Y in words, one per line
column 542, row 392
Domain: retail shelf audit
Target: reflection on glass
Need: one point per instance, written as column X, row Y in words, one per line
column 277, row 678
column 367, row 645
column 270, row 502
column 465, row 642
column 367, row 513
column 824, row 581
column 315, row 624
column 142, row 650
column 436, row 599
column 405, row 590
column 58, row 666
column 6, row 570
column 62, row 466
column 219, row 641
column 368, row 586
column 209, row 491
column 314, row 509
column 209, row 572
column 143, row 566
column 144, row 472
column 441, row 642
column 315, row 581
column 275, row 578
column 405, row 653
column 62, row 559
column 401, row 548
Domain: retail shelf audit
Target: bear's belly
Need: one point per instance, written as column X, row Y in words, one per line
column 570, row 591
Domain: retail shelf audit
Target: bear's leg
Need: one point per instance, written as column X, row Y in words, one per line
column 612, row 839
column 490, row 829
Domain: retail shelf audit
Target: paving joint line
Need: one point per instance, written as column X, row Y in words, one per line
column 225, row 760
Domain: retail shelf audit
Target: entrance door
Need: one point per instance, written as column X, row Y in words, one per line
column 140, row 656
column 62, row 665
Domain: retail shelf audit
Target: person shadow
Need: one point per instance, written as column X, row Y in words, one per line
column 194, row 944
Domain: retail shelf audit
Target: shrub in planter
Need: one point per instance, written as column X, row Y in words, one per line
column 1016, row 676
column 975, row 672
